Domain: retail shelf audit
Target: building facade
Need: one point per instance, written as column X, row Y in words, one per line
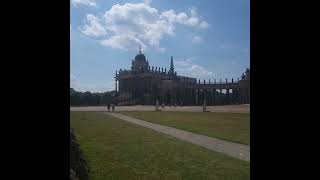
column 144, row 85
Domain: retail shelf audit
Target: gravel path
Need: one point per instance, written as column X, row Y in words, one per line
column 236, row 150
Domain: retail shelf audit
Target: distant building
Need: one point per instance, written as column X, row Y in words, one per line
column 144, row 85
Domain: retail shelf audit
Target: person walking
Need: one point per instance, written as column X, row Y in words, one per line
column 112, row 107
column 108, row 107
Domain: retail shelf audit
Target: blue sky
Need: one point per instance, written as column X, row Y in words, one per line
column 207, row 38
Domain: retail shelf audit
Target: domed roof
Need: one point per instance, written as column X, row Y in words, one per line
column 140, row 57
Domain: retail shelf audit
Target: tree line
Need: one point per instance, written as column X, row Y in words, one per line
column 91, row 99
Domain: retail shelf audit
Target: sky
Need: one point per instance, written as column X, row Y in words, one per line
column 208, row 39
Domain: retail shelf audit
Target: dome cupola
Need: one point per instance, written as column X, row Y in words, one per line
column 140, row 57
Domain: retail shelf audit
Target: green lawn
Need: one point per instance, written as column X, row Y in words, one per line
column 233, row 127
column 116, row 149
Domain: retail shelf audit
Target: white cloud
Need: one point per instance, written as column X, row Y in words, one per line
column 91, row 86
column 94, row 27
column 147, row 2
column 204, row 24
column 196, row 39
column 189, row 68
column 83, row 2
column 183, row 18
column 123, row 42
column 131, row 24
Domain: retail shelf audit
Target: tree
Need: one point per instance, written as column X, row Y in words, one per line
column 90, row 99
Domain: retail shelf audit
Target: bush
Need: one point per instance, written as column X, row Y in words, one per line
column 78, row 166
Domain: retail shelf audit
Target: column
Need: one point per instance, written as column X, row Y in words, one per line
column 197, row 92
column 214, row 97
column 227, row 96
column 220, row 97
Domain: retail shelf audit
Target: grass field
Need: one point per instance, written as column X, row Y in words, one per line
column 233, row 127
column 116, row 149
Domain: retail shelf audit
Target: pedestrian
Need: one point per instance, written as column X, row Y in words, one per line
column 112, row 107
column 108, row 107
column 157, row 105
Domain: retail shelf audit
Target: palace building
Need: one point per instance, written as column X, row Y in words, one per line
column 144, row 85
